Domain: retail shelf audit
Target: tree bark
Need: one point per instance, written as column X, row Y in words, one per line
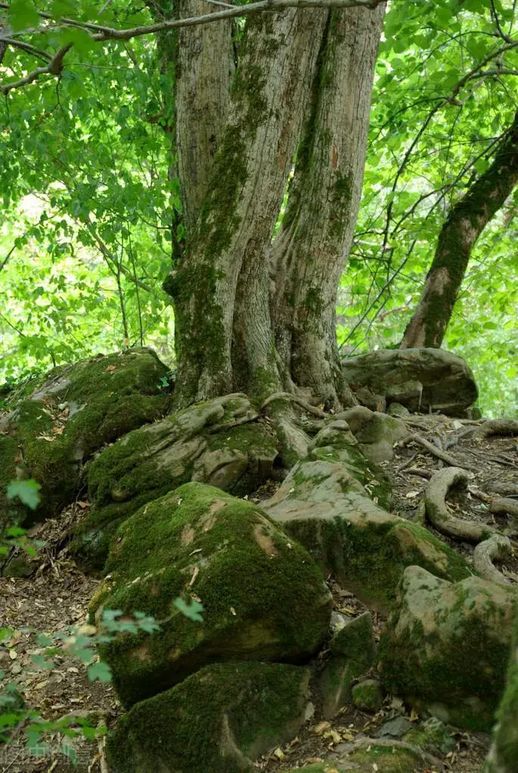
column 230, row 241
column 301, row 74
column 465, row 223
column 311, row 251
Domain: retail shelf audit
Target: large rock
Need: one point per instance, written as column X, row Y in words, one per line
column 421, row 379
column 503, row 757
column 263, row 596
column 366, row 548
column 219, row 720
column 218, row 442
column 446, row 646
column 52, row 431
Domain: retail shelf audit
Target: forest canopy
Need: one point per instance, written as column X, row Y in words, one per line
column 91, row 200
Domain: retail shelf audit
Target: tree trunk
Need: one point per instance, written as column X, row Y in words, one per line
column 230, row 241
column 297, row 68
column 461, row 230
column 311, row 251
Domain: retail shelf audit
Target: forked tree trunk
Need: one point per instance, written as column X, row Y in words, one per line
column 296, row 68
column 461, row 230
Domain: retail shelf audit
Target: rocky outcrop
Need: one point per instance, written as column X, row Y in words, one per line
column 422, row 380
column 446, row 646
column 263, row 596
column 58, row 423
column 219, row 442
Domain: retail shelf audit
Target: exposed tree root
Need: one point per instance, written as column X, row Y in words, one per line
column 437, row 510
column 361, row 743
column 504, row 505
column 297, row 400
column 496, row 548
column 439, row 453
column 498, row 427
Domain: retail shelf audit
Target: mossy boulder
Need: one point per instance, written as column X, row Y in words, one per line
column 446, row 646
column 422, row 379
column 220, row 719
column 264, row 598
column 503, row 757
column 352, row 653
column 365, row 547
column 367, row 695
column 218, row 442
column 50, row 433
column 375, row 432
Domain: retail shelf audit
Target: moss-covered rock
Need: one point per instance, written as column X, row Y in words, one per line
column 219, row 720
column 371, row 755
column 352, row 654
column 367, row 695
column 375, row 432
column 77, row 409
column 422, row 379
column 446, row 646
column 216, row 442
column 432, row 736
column 503, row 757
column 366, row 548
column 263, row 596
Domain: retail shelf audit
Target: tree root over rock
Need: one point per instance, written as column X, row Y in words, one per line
column 438, row 513
column 495, row 548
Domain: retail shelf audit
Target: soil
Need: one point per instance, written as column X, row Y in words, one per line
column 55, row 598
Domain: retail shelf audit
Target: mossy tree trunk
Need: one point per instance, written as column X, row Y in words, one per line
column 311, row 250
column 458, row 236
column 291, row 85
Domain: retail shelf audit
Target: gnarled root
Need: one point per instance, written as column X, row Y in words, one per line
column 502, row 427
column 496, row 548
column 437, row 510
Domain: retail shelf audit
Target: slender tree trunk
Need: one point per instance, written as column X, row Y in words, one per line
column 461, row 230
column 311, row 251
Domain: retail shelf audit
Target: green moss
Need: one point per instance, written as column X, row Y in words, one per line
column 75, row 411
column 367, row 695
column 264, row 601
column 457, row 665
column 147, row 463
column 218, row 720
column 370, row 558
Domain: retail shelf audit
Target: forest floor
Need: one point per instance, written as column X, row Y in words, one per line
column 55, row 600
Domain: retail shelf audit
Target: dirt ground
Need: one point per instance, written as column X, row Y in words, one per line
column 55, row 600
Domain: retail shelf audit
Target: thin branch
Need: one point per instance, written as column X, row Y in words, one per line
column 27, row 48
column 54, row 67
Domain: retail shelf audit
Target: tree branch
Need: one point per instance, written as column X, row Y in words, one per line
column 54, row 67
column 100, row 32
column 26, row 47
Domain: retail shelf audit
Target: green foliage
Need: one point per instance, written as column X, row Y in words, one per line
column 88, row 193
column 429, row 139
column 27, row 491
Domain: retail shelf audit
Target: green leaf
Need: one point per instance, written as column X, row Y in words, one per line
column 22, row 15
column 99, row 671
column 27, row 491
column 192, row 611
